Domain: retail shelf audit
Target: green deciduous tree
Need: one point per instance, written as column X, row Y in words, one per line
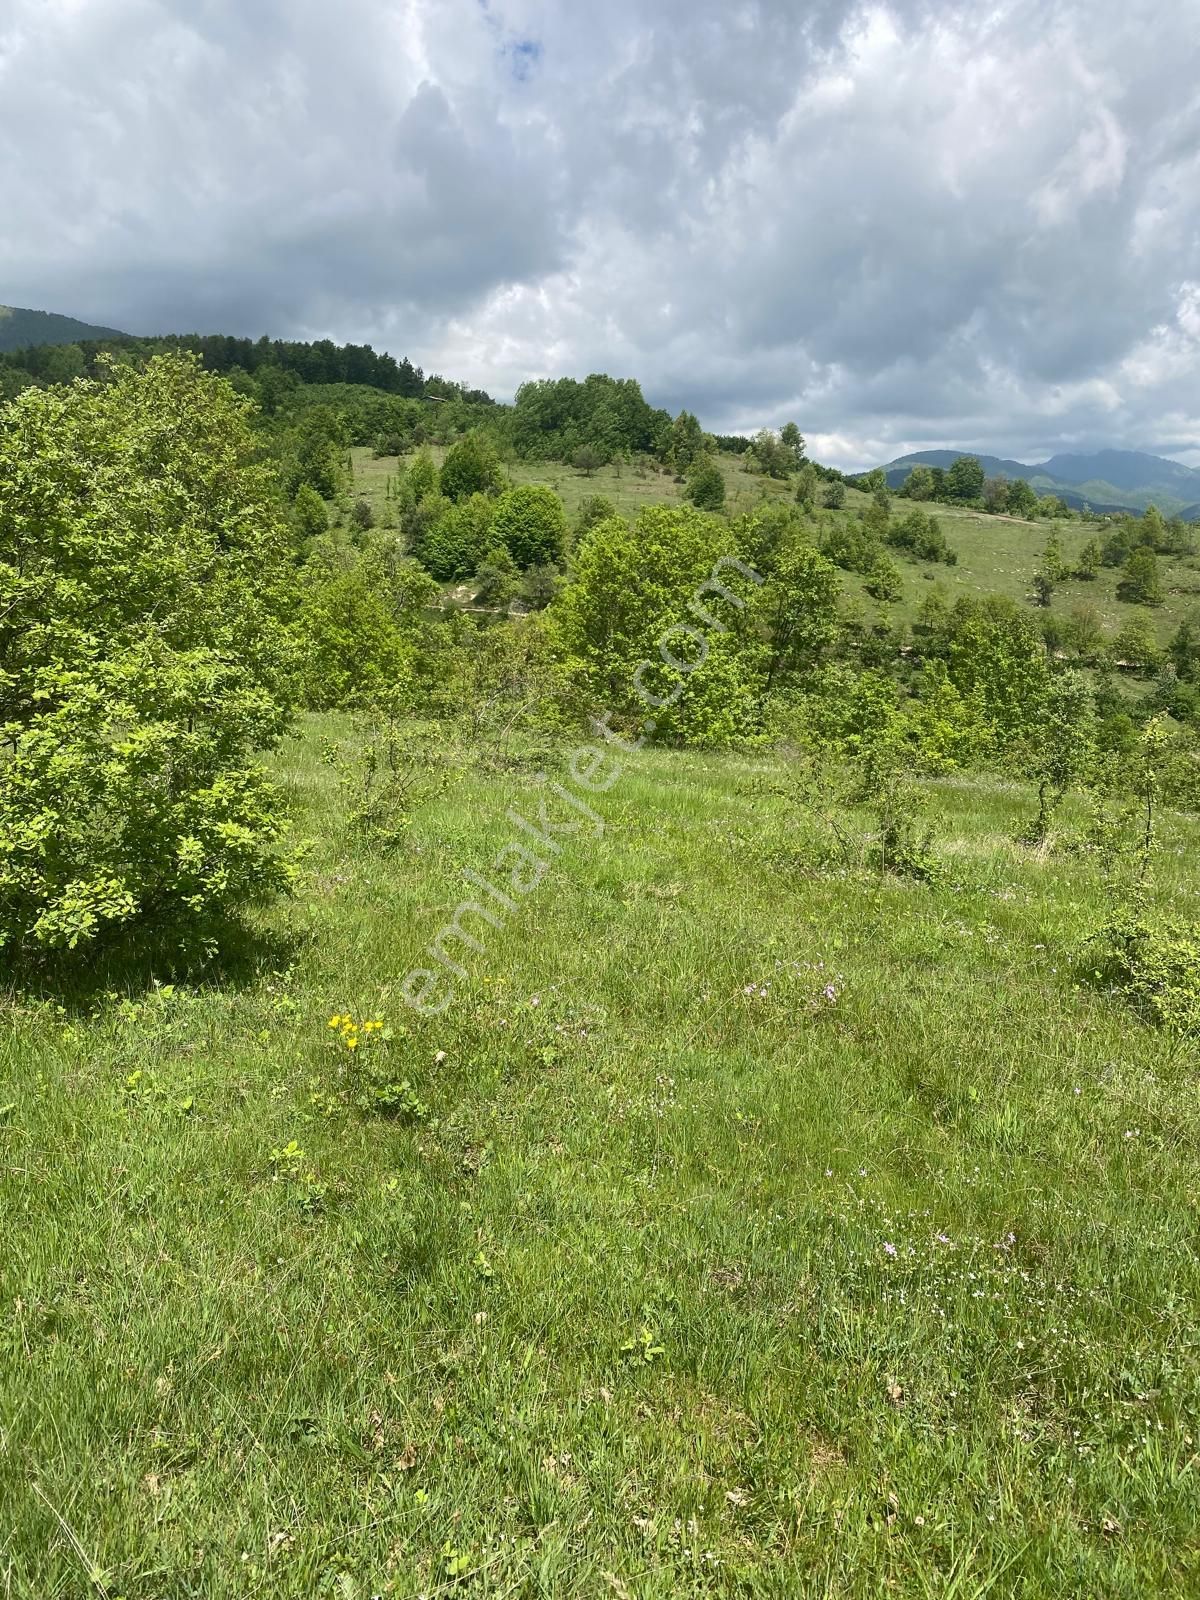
column 451, row 544
column 919, row 484
column 497, row 580
column 144, row 563
column 422, row 477
column 471, row 467
column 884, row 581
column 965, row 479
column 798, row 608
column 995, row 495
column 308, row 510
column 706, row 485
column 532, row 525
column 1061, row 747
column 1022, row 498
column 685, row 441
column 1140, row 581
column 353, row 651
column 652, row 636
column 1090, row 559
column 793, row 441
column 994, row 651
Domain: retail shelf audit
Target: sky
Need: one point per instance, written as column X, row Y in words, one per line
column 902, row 226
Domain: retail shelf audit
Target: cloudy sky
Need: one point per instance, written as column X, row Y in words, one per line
column 901, row 225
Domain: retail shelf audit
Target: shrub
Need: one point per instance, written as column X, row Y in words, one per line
column 422, row 477
column 884, row 581
column 1156, row 968
column 1140, row 581
column 143, row 659
column 387, row 773
column 706, row 485
column 352, row 649
column 531, row 524
column 311, row 517
column 496, row 581
column 902, row 845
column 852, row 547
column 1061, row 749
column 540, row 586
column 452, row 544
column 922, row 537
column 596, row 508
column 629, row 608
column 471, row 467
column 363, row 516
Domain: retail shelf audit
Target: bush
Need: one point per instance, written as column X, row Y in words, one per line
column 628, row 611
column 531, row 524
column 540, row 586
column 596, row 508
column 852, row 547
column 143, row 659
column 363, row 516
column 471, row 467
column 353, row 650
column 1157, row 969
column 706, row 485
column 452, row 544
column 884, row 581
column 311, row 517
column 922, row 537
column 496, row 582
column 1140, row 581
column 387, row 774
column 422, row 478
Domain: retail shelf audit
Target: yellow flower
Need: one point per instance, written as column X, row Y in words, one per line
column 351, row 1044
column 335, row 1022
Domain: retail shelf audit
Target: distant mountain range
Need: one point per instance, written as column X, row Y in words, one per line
column 1108, row 481
column 20, row 328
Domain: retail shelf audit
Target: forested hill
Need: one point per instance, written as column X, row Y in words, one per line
column 380, row 400
column 278, row 364
column 20, row 328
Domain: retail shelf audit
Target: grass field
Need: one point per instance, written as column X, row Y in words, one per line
column 749, row 1226
column 996, row 555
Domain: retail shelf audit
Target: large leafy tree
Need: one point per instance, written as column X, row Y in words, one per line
column 966, row 478
column 143, row 656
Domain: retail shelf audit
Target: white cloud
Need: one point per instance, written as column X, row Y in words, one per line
column 898, row 223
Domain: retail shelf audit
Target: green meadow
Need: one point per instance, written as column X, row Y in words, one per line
column 747, row 1223
column 997, row 555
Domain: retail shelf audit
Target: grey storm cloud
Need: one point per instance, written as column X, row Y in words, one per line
column 902, row 224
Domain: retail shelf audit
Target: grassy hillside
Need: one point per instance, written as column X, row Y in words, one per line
column 628, row 487
column 767, row 1229
column 1000, row 555
column 20, row 329
column 996, row 555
